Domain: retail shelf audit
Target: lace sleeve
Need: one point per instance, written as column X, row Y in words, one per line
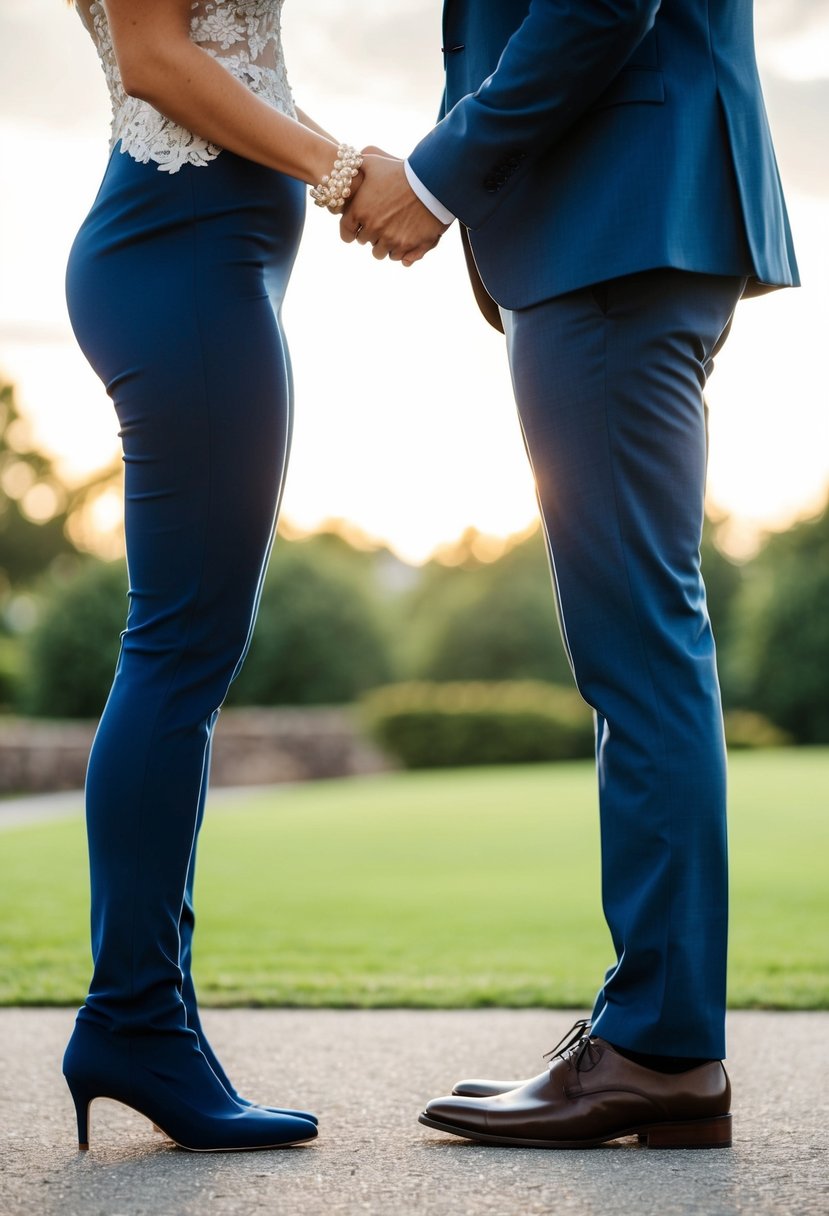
column 245, row 38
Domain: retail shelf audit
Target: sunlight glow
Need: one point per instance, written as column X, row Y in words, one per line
column 422, row 443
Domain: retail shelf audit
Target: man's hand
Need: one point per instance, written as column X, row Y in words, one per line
column 388, row 215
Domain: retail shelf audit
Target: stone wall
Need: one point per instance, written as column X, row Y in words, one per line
column 251, row 747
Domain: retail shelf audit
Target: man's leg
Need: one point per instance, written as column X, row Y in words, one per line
column 609, row 385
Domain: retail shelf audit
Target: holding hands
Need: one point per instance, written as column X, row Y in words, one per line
column 382, row 210
column 388, row 215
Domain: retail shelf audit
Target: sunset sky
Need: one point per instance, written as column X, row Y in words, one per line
column 420, row 440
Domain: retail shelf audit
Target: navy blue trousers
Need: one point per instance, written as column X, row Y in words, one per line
column 609, row 384
column 174, row 284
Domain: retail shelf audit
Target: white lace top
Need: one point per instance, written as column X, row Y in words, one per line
column 245, row 37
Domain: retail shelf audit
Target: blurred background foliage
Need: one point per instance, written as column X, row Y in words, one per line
column 454, row 725
column 339, row 618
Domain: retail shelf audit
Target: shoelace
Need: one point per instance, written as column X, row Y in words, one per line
column 576, row 1058
column 577, row 1032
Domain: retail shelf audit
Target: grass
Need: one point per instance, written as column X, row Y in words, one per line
column 465, row 888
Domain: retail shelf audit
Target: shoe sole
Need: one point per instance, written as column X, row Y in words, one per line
column 247, row 1148
column 698, row 1133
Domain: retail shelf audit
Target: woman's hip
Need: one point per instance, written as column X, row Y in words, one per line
column 154, row 244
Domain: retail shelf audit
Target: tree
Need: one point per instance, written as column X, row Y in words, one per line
column 723, row 580
column 318, row 638
column 33, row 502
column 780, row 658
column 494, row 621
column 71, row 652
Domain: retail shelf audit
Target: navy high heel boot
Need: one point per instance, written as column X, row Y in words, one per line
column 167, row 1078
column 131, row 1040
column 187, row 924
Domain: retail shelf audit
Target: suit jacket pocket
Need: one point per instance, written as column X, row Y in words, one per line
column 632, row 84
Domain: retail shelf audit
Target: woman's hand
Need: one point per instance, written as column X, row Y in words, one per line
column 358, row 181
column 388, row 215
column 372, row 151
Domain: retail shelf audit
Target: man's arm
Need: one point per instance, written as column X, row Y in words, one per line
column 562, row 57
column 427, row 198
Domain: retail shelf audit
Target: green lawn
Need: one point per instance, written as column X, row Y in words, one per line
column 474, row 887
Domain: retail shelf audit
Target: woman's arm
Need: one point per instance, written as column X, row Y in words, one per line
column 307, row 121
column 159, row 63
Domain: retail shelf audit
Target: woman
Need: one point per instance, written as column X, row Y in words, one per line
column 174, row 284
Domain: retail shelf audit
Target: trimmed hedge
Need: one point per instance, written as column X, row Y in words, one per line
column 452, row 725
column 745, row 728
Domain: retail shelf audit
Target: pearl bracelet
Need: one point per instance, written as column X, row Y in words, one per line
column 335, row 187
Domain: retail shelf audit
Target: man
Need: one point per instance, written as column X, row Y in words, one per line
column 612, row 163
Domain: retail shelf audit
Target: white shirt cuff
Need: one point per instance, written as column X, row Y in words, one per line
column 427, row 198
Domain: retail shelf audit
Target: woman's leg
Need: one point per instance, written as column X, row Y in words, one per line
column 186, row 338
column 187, row 921
column 205, row 445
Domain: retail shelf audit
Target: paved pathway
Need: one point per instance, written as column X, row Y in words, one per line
column 367, row 1075
column 27, row 809
column 39, row 808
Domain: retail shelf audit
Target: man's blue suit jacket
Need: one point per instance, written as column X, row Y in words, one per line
column 586, row 139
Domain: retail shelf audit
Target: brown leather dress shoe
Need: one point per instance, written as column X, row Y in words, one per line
column 592, row 1094
column 489, row 1089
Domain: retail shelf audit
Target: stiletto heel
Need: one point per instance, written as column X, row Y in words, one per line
column 82, row 1097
